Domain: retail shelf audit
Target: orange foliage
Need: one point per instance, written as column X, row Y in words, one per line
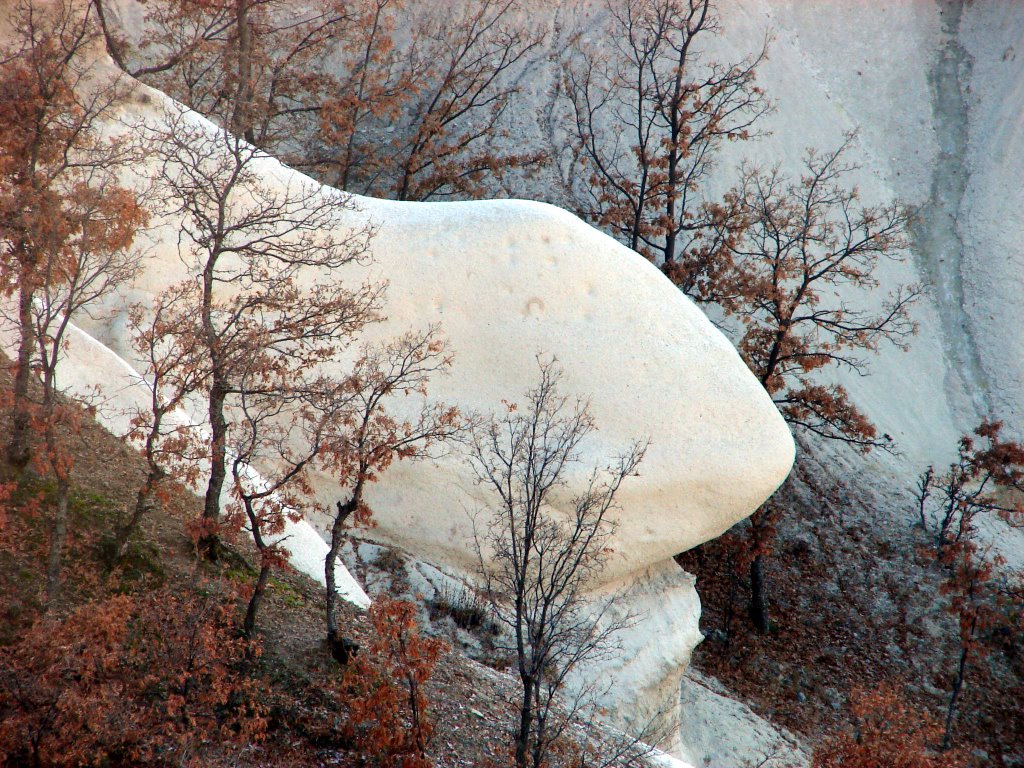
column 888, row 733
column 125, row 680
column 988, row 470
column 65, row 223
column 368, row 437
column 383, row 688
column 802, row 242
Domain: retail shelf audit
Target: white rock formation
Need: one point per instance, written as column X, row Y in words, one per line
column 507, row 281
column 934, row 88
column 718, row 730
column 640, row 685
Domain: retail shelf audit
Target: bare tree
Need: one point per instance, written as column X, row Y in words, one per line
column 539, row 563
column 648, row 114
column 369, row 435
column 262, row 288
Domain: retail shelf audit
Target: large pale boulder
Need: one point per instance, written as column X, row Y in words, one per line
column 507, row 281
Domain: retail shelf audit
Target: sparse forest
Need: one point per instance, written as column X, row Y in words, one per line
column 149, row 612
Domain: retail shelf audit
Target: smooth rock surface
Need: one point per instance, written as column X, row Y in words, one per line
column 507, row 281
column 639, row 684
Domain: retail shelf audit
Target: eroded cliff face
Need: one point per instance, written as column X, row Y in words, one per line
column 934, row 90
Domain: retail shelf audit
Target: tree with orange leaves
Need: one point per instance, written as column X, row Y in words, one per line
column 383, row 688
column 67, row 226
column 167, row 438
column 647, row 115
column 888, row 733
column 59, row 203
column 325, row 88
column 255, row 68
column 263, row 299
column 369, row 434
column 980, row 483
column 801, row 242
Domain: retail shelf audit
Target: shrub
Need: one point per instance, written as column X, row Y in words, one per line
column 383, row 688
column 128, row 680
column 887, row 733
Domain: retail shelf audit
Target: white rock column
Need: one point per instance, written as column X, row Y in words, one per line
column 637, row 688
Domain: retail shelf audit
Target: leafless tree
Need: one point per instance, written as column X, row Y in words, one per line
column 539, row 564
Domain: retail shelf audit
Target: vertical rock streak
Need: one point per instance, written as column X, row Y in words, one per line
column 937, row 235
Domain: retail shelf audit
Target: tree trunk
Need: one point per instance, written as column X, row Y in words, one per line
column 402, row 191
column 759, row 613
column 249, row 626
column 142, row 505
column 337, row 539
column 670, row 209
column 58, row 535
column 525, row 723
column 958, row 685
column 540, row 726
column 242, row 117
column 113, row 45
column 729, row 615
column 209, row 544
column 19, row 451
